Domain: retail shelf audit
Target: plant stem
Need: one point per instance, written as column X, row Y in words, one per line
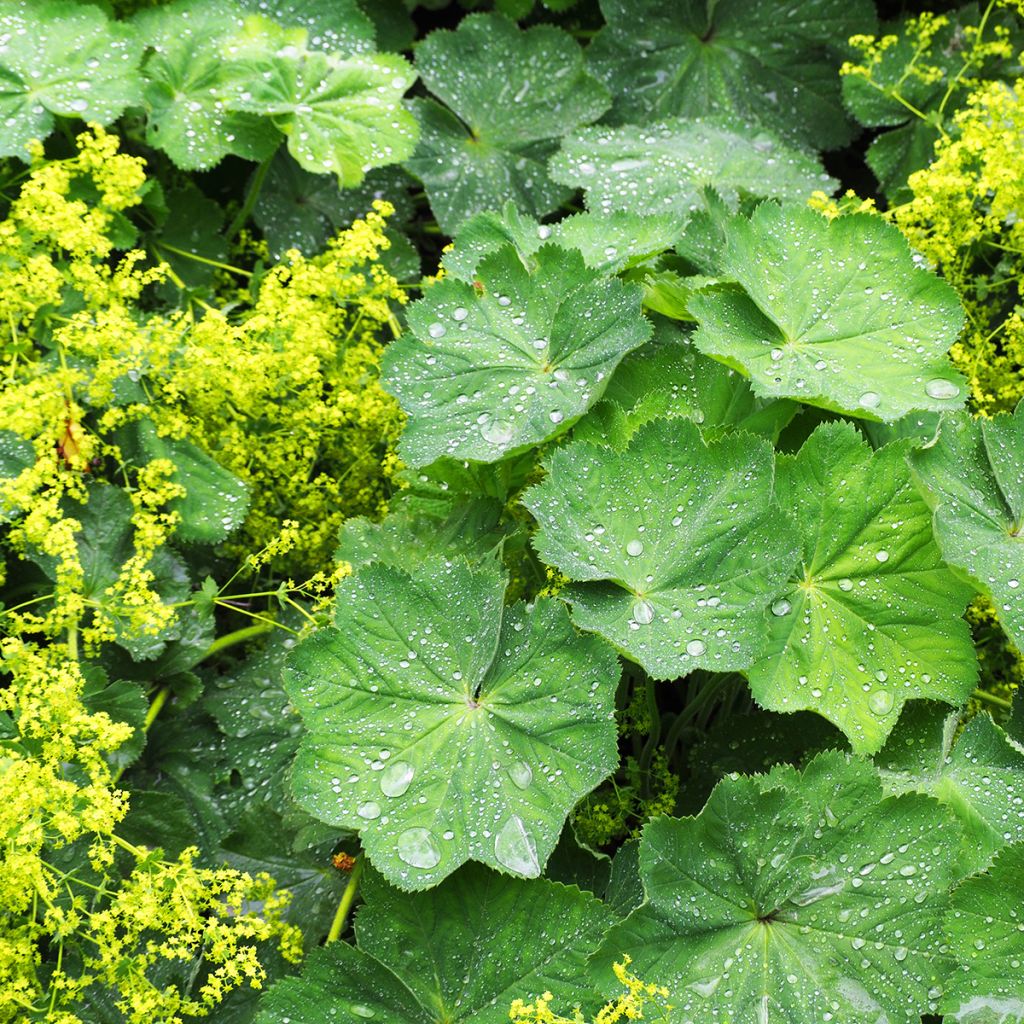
column 250, row 198
column 154, row 709
column 989, row 698
column 239, row 636
column 345, row 905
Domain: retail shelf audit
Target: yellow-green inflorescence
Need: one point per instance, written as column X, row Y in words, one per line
column 281, row 387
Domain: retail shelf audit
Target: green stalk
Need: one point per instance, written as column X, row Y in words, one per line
column 989, row 698
column 239, row 636
column 250, row 199
column 347, row 899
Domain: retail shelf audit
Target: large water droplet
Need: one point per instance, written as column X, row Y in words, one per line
column 940, row 388
column 496, row 431
column 436, row 330
column 880, row 702
column 369, row 810
column 396, row 778
column 460, row 313
column 521, row 774
column 695, row 648
column 781, row 607
column 635, row 547
column 846, row 584
column 643, row 612
column 361, row 1011
column 416, row 847
column 514, row 848
column 870, row 400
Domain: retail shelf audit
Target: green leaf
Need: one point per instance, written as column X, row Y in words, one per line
column 447, row 727
column 340, row 116
column 872, row 617
column 16, row 455
column 215, row 500
column 835, row 313
column 185, row 78
column 338, row 27
column 459, row 953
column 977, row 773
column 508, row 95
column 492, row 370
column 676, row 545
column 770, row 62
column 974, row 475
column 794, row 898
column 984, row 925
column 63, row 58
column 193, row 225
column 123, row 701
column 664, row 166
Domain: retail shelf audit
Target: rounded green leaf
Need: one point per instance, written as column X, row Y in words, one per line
column 497, row 368
column 771, row 62
column 663, row 167
column 836, row 313
column 675, row 545
column 446, row 727
column 985, row 925
column 508, row 95
column 872, row 617
column 64, row 58
column 458, row 953
column 974, row 474
column 799, row 898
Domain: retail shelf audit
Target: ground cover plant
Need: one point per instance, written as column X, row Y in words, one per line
column 511, row 512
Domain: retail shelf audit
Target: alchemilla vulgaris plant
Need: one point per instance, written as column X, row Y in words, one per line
column 511, row 512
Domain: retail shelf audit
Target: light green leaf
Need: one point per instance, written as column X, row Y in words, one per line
column 665, row 166
column 977, row 773
column 835, row 313
column 974, row 475
column 16, row 455
column 185, row 78
column 871, row 618
column 675, row 545
column 508, row 95
column 985, row 925
column 338, row 27
column 492, row 370
column 446, row 727
column 769, row 62
column 794, row 899
column 341, row 116
column 419, row 957
column 215, row 500
column 64, row 58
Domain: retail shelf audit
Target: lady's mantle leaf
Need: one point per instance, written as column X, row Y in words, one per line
column 975, row 476
column 872, row 617
column 64, row 58
column 491, row 370
column 459, row 953
column 985, row 925
column 794, row 898
column 509, row 95
column 978, row 773
column 835, row 313
column 663, row 167
column 676, row 546
column 770, row 62
column 447, row 727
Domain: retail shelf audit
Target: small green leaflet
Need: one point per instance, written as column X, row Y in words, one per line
column 794, row 898
column 675, row 545
column 771, row 62
column 978, row 773
column 497, row 368
column 974, row 474
column 458, row 953
column 509, row 94
column 447, row 727
column 985, row 925
column 63, row 58
column 834, row 313
column 664, row 167
column 873, row 617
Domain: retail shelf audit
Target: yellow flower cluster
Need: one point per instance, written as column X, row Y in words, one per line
column 966, row 218
column 636, row 998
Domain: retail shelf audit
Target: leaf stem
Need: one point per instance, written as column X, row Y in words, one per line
column 990, row 698
column 345, row 904
column 250, row 198
column 239, row 636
